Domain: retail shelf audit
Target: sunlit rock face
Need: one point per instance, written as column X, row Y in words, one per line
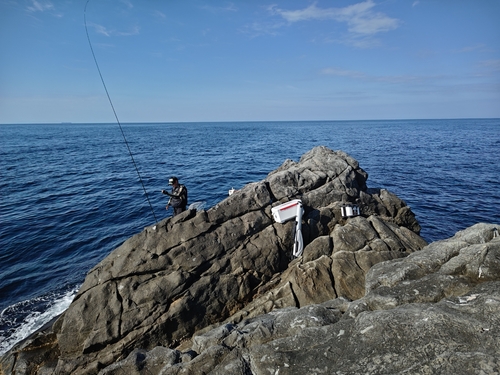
column 229, row 265
column 436, row 311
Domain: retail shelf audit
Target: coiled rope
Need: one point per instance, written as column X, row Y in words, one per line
column 116, row 116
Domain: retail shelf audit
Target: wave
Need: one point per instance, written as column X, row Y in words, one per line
column 34, row 314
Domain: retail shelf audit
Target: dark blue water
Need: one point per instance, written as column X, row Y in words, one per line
column 70, row 192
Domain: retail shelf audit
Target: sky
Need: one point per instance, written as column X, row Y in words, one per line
column 253, row 60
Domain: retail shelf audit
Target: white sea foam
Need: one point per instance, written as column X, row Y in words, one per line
column 34, row 320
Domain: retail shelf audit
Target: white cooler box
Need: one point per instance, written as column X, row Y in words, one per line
column 286, row 211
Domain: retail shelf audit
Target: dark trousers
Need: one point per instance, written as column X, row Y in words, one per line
column 178, row 210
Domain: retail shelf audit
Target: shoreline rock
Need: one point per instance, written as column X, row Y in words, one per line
column 151, row 301
column 443, row 319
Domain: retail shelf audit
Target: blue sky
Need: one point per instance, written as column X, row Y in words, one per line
column 169, row 61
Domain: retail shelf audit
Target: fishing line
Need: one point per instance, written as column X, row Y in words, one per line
column 113, row 108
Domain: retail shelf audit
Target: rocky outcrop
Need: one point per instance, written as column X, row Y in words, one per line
column 436, row 311
column 231, row 264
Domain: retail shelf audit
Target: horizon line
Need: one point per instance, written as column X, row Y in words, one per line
column 240, row 121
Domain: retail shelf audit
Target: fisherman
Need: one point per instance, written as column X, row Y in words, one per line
column 178, row 196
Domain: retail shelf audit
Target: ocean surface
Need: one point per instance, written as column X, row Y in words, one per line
column 70, row 193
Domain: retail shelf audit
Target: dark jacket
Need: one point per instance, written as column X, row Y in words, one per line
column 178, row 197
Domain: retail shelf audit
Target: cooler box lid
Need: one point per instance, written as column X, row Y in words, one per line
column 286, row 211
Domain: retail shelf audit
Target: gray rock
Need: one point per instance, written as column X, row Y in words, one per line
column 231, row 263
column 141, row 362
column 430, row 323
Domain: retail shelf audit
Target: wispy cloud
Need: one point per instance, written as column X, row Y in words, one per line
column 493, row 65
column 103, row 30
column 40, row 6
column 128, row 4
column 134, row 31
column 483, row 79
column 361, row 18
column 160, row 14
column 475, row 48
column 415, row 3
column 363, row 22
column 359, row 41
column 256, row 29
column 229, row 7
column 99, row 29
column 333, row 71
column 395, row 79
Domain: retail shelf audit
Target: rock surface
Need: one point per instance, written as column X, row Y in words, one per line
column 436, row 311
column 140, row 307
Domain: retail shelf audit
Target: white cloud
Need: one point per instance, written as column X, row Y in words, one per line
column 42, row 7
column 134, row 31
column 360, row 18
column 37, row 6
column 99, row 29
column 103, row 30
column 415, row 3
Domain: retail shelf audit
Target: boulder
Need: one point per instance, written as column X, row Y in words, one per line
column 232, row 263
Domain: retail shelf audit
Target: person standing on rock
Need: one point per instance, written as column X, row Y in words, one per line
column 178, row 196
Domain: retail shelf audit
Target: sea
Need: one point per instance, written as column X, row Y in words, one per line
column 71, row 193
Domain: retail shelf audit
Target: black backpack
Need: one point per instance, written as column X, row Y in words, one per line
column 184, row 195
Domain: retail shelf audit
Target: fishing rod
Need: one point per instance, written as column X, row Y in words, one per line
column 116, row 116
